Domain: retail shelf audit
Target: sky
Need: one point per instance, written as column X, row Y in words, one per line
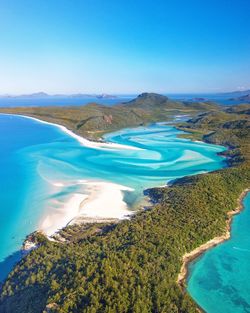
column 124, row 46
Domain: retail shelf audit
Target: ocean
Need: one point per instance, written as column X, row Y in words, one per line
column 77, row 101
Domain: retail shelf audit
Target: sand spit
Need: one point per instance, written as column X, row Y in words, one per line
column 82, row 140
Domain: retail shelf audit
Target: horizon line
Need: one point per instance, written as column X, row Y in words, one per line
column 117, row 93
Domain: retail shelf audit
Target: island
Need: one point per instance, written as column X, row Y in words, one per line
column 244, row 98
column 42, row 95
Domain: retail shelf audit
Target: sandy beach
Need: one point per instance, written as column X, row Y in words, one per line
column 188, row 257
column 61, row 216
column 96, row 199
column 99, row 204
column 94, row 203
column 85, row 142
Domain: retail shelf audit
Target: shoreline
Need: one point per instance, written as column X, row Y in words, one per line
column 83, row 141
column 81, row 204
column 85, row 206
column 88, row 207
column 187, row 258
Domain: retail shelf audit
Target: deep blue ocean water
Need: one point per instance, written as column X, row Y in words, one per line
column 75, row 101
column 60, row 101
column 41, row 166
column 219, row 280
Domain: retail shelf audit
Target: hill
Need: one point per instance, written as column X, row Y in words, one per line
column 153, row 101
column 93, row 120
column 240, row 109
column 244, row 98
column 236, row 93
column 147, row 100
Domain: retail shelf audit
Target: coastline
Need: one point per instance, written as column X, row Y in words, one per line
column 86, row 207
column 82, row 207
column 83, row 141
column 89, row 207
column 191, row 256
column 201, row 201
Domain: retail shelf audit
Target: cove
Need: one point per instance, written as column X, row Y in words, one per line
column 219, row 280
column 49, row 176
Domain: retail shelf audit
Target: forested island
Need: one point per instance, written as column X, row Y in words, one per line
column 133, row 266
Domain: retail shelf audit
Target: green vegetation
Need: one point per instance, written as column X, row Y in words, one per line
column 93, row 120
column 226, row 128
column 133, row 266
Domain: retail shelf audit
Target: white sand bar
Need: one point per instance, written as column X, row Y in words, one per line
column 85, row 142
column 60, row 217
column 101, row 200
column 98, row 200
column 105, row 200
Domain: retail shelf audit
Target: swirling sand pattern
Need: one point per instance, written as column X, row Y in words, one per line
column 49, row 176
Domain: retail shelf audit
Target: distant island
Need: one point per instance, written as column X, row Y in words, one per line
column 236, row 92
column 244, row 98
column 41, row 95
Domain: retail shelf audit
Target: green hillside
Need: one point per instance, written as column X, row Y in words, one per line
column 93, row 120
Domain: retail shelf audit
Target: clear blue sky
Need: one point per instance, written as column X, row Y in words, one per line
column 124, row 46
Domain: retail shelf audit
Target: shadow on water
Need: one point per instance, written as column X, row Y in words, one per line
column 7, row 264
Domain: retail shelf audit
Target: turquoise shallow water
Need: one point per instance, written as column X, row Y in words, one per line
column 219, row 280
column 41, row 166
